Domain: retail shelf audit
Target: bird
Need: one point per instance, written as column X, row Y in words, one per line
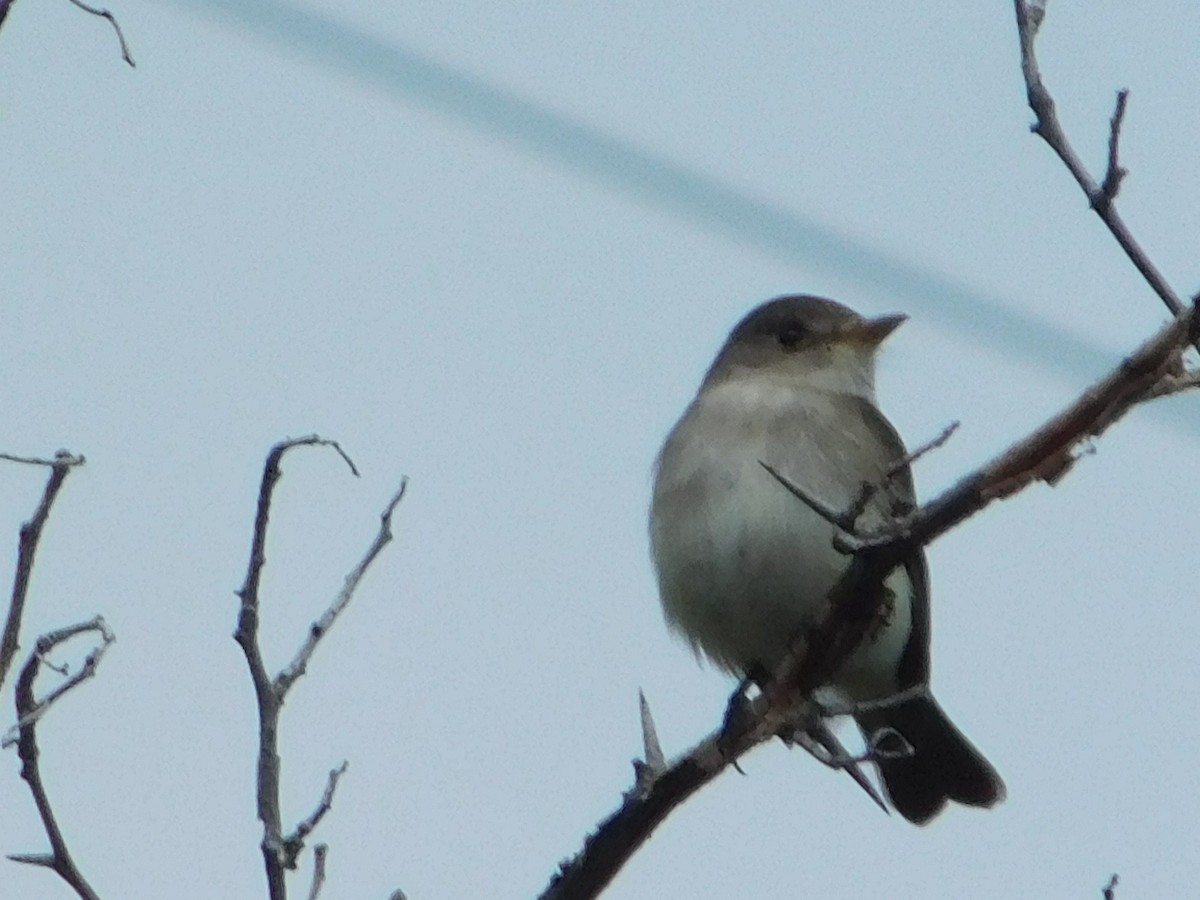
column 743, row 566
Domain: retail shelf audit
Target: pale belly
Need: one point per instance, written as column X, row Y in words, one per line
column 744, row 568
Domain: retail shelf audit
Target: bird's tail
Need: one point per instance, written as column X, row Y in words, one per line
column 944, row 765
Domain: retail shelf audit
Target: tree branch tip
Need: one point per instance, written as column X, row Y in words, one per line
column 344, row 455
column 45, row 860
column 63, row 459
column 112, row 20
column 386, row 515
column 312, row 440
column 655, row 761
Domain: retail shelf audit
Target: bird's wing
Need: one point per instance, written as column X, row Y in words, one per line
column 898, row 494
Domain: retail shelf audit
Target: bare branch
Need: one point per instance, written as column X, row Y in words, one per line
column 31, row 534
column 1114, row 174
column 61, row 458
column 871, row 488
column 29, row 712
column 846, row 537
column 1110, row 890
column 319, row 853
column 112, row 20
column 46, row 860
column 294, row 842
column 279, row 852
column 1100, row 197
column 910, row 460
column 45, row 644
column 299, row 664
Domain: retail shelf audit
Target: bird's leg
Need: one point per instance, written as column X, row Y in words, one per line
column 816, row 737
column 738, row 706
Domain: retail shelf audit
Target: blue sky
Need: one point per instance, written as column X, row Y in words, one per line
column 494, row 250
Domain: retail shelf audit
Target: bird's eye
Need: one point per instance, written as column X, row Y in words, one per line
column 789, row 337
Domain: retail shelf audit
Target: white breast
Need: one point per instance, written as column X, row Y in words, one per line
column 743, row 566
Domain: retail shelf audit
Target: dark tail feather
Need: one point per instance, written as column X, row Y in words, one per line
column 944, row 764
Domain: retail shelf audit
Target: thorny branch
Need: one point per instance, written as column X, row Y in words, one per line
column 279, row 852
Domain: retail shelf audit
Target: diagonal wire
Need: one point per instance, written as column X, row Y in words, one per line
column 658, row 181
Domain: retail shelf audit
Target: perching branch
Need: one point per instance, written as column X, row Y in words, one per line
column 280, row 852
column 29, row 711
column 854, row 602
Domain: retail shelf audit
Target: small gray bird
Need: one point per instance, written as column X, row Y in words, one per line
column 744, row 566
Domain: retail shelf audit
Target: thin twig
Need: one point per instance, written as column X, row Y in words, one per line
column 845, row 521
column 31, row 534
column 299, row 664
column 907, row 462
column 112, row 20
column 1114, row 174
column 87, row 669
column 845, row 537
column 319, row 853
column 1047, row 126
column 899, row 467
column 294, row 842
column 61, row 458
column 1110, row 890
column 29, row 712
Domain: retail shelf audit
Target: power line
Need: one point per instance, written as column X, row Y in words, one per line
column 659, row 181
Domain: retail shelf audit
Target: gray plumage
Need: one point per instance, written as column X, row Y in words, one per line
column 743, row 565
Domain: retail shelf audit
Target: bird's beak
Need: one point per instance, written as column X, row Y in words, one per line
column 872, row 331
